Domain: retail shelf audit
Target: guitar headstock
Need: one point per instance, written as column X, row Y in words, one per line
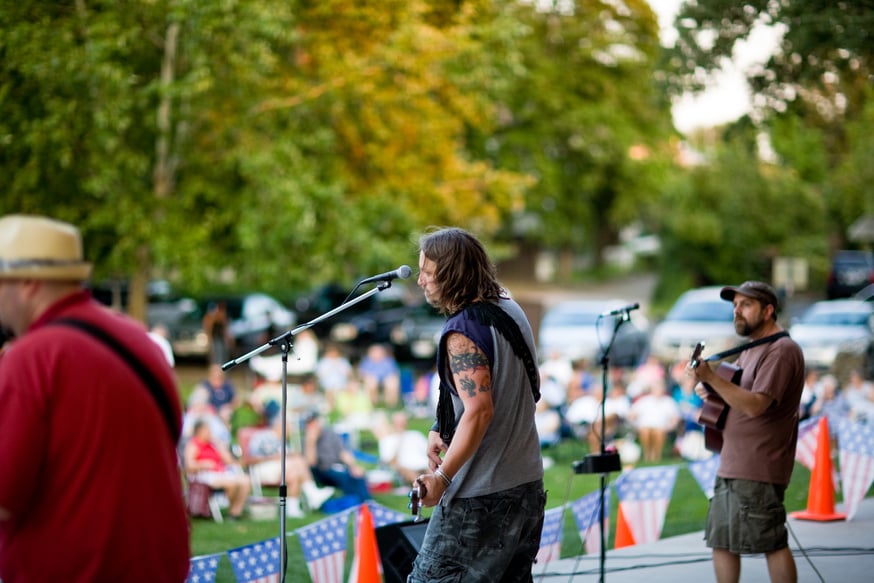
column 695, row 359
column 416, row 495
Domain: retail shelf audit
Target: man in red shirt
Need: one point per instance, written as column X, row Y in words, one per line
column 90, row 488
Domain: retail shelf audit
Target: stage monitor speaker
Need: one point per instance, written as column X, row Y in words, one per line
column 399, row 544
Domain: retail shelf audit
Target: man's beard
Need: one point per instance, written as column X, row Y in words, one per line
column 746, row 328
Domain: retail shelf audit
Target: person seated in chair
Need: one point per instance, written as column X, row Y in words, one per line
column 402, row 449
column 331, row 463
column 265, row 453
column 209, row 461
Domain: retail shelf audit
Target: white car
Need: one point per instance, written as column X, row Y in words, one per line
column 699, row 315
column 833, row 329
column 578, row 329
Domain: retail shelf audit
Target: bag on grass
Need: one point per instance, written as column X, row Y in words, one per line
column 198, row 500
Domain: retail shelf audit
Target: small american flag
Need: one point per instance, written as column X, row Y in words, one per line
column 857, row 463
column 805, row 450
column 644, row 495
column 203, row 569
column 383, row 515
column 704, row 473
column 324, row 547
column 550, row 537
column 586, row 514
column 257, row 563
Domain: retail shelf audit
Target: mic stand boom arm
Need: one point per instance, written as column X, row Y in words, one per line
column 286, row 335
column 283, row 341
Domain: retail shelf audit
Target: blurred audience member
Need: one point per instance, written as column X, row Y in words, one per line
column 331, row 463
column 688, row 401
column 308, row 397
column 831, row 402
column 650, row 373
column 419, row 403
column 654, row 415
column 209, row 461
column 160, row 335
column 216, row 324
column 548, row 422
column 581, row 380
column 199, row 409
column 584, row 414
column 354, row 411
column 559, row 368
column 222, row 394
column 808, row 394
column 334, row 372
column 857, row 391
column 402, row 449
column 304, row 356
column 381, row 374
column 265, row 454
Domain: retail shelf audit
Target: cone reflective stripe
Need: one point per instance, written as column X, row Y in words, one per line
column 624, row 536
column 821, row 493
column 366, row 567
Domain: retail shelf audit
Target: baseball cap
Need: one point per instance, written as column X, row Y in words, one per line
column 758, row 290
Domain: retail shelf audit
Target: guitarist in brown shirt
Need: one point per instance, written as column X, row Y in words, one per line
column 747, row 514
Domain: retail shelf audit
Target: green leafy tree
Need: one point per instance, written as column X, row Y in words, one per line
column 732, row 215
column 816, row 86
column 581, row 114
column 252, row 144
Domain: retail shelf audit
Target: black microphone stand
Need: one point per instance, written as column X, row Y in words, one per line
column 604, row 462
column 283, row 342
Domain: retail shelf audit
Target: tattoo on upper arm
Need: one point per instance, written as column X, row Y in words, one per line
column 465, row 359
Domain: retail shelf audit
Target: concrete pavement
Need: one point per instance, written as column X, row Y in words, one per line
column 840, row 551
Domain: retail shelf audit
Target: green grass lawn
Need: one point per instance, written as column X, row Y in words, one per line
column 685, row 513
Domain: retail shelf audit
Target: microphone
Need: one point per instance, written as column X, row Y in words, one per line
column 402, row 272
column 622, row 310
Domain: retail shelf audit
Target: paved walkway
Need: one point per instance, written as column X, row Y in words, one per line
column 839, row 551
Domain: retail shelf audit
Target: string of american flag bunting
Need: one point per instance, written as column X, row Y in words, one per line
column 643, row 495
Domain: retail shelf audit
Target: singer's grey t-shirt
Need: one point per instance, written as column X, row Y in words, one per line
column 509, row 454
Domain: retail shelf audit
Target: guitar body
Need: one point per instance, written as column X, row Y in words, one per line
column 714, row 410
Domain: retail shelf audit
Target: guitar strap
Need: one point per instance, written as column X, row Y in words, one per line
column 147, row 377
column 738, row 349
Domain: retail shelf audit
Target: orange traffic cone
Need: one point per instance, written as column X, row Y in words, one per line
column 624, row 536
column 366, row 566
column 821, row 493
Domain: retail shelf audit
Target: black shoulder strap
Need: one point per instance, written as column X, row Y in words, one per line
column 148, row 378
column 487, row 314
column 748, row 345
column 490, row 314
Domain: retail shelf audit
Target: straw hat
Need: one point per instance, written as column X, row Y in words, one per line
column 41, row 248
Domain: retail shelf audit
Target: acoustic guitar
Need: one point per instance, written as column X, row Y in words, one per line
column 714, row 410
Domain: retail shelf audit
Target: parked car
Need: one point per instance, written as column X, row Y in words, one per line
column 256, row 317
column 698, row 315
column 831, row 330
column 374, row 319
column 415, row 337
column 850, row 272
column 866, row 294
column 577, row 329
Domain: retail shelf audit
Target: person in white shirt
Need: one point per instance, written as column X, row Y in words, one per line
column 654, row 415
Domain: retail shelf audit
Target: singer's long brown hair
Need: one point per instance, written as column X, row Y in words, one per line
column 464, row 272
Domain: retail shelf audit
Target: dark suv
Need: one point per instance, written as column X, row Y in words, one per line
column 850, row 272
